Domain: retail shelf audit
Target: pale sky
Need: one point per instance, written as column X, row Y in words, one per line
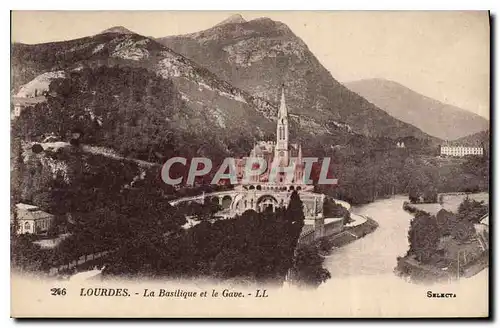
column 443, row 55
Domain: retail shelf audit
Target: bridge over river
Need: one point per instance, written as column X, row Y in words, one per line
column 236, row 201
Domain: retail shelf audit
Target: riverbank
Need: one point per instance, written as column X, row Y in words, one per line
column 449, row 202
column 353, row 233
column 416, row 271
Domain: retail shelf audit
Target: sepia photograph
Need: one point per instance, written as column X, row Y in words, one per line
column 264, row 164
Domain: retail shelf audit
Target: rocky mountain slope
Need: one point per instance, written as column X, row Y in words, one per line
column 431, row 116
column 209, row 103
column 258, row 56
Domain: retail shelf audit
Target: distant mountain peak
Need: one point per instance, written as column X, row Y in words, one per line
column 262, row 53
column 233, row 19
column 432, row 116
column 380, row 81
column 117, row 29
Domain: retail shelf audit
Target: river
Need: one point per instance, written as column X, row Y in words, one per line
column 363, row 282
column 376, row 253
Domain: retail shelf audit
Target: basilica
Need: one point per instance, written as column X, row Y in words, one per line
column 284, row 169
column 272, row 187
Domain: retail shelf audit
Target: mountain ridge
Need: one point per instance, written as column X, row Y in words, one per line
column 259, row 55
column 434, row 117
column 211, row 106
column 233, row 19
column 481, row 138
column 117, row 29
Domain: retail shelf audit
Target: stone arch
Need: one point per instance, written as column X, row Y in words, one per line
column 226, row 201
column 266, row 201
column 266, row 196
column 214, row 200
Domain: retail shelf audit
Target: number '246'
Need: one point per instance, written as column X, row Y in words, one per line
column 58, row 291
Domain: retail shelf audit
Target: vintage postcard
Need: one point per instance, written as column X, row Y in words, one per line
column 250, row 164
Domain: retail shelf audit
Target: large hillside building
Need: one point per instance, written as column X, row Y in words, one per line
column 460, row 151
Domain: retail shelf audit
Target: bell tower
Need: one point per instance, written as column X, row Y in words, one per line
column 281, row 150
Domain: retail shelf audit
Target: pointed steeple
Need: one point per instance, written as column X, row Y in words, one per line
column 283, row 110
column 281, row 151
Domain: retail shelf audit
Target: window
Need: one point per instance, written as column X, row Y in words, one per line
column 27, row 226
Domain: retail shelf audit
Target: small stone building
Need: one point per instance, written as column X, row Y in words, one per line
column 32, row 220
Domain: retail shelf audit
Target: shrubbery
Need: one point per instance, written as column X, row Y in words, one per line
column 426, row 231
column 256, row 246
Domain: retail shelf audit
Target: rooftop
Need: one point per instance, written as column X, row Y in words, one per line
column 31, row 212
column 27, row 101
column 26, row 207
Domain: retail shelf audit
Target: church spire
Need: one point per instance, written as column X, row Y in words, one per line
column 283, row 110
column 281, row 150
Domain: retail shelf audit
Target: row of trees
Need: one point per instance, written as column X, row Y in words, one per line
column 362, row 179
column 257, row 247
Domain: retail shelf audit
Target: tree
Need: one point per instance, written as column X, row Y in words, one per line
column 294, row 213
column 308, row 267
column 27, row 256
column 294, row 218
column 332, row 209
column 307, row 264
column 423, row 236
column 472, row 210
